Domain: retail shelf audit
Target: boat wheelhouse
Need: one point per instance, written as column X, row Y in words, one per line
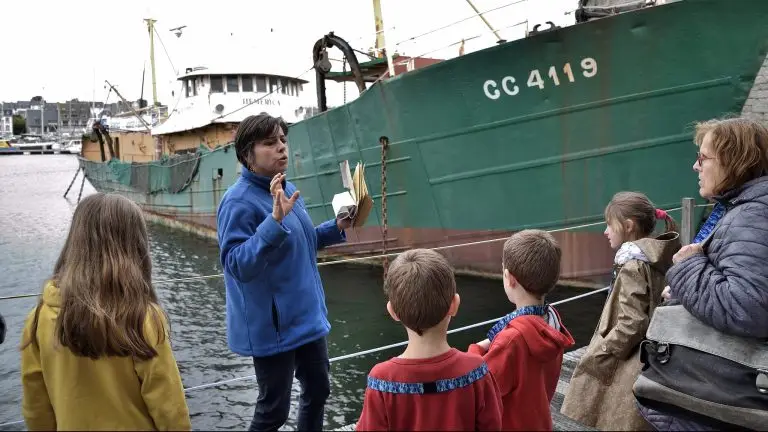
column 210, row 104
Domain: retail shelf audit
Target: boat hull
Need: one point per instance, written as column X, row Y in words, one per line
column 534, row 133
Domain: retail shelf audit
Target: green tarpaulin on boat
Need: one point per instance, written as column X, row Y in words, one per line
column 169, row 174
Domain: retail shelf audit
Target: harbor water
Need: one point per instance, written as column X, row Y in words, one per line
column 36, row 218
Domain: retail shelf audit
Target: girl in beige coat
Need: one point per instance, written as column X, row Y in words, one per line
column 600, row 392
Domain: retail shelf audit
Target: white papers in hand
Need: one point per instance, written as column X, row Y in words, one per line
column 344, row 205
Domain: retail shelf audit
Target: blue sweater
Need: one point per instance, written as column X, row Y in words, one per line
column 275, row 299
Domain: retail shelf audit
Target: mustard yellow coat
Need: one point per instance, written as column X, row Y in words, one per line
column 66, row 392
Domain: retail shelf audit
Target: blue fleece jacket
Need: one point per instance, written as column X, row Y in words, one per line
column 275, row 299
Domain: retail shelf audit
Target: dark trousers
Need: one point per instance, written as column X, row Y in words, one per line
column 274, row 375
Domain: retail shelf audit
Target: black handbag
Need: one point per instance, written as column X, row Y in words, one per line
column 694, row 371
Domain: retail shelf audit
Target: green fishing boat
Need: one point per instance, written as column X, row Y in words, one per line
column 538, row 132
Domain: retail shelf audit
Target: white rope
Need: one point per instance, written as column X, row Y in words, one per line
column 362, row 353
column 385, row 347
column 395, row 345
column 345, row 260
column 348, row 260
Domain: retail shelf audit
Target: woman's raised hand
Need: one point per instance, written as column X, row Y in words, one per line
column 281, row 205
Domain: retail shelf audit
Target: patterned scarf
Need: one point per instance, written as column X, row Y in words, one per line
column 501, row 324
column 717, row 212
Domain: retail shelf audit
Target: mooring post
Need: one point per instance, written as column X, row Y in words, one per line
column 687, row 222
column 72, row 182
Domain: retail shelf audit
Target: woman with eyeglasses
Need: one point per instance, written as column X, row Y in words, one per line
column 720, row 280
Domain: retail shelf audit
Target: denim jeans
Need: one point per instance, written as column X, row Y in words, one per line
column 274, row 375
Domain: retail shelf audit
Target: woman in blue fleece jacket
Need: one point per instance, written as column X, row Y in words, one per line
column 276, row 309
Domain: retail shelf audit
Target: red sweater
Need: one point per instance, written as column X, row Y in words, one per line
column 452, row 391
column 525, row 358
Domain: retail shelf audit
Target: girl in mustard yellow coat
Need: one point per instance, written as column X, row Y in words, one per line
column 96, row 351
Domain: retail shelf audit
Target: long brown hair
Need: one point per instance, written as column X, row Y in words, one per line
column 104, row 277
column 636, row 207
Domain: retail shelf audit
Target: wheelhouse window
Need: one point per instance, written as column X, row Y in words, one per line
column 217, row 84
column 261, row 84
column 190, row 87
column 247, row 82
column 232, row 84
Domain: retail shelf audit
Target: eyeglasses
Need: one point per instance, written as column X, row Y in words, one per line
column 700, row 158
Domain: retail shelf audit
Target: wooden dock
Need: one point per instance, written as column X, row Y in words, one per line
column 560, row 422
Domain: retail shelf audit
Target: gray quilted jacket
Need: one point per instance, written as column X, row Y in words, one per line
column 727, row 286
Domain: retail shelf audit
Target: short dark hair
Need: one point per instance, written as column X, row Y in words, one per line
column 420, row 286
column 533, row 258
column 255, row 128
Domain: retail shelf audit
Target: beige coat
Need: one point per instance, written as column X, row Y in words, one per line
column 600, row 392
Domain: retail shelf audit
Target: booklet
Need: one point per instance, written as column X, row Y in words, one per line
column 355, row 203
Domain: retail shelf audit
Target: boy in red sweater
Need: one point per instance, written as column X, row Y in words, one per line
column 524, row 350
column 430, row 386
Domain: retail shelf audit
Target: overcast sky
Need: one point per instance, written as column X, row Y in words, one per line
column 66, row 49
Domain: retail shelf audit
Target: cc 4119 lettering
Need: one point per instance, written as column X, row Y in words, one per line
column 552, row 76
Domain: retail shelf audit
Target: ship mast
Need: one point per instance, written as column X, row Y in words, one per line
column 128, row 104
column 500, row 40
column 151, row 27
column 381, row 45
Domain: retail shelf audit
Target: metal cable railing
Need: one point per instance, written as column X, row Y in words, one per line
column 395, row 345
column 359, row 353
column 381, row 348
column 363, row 258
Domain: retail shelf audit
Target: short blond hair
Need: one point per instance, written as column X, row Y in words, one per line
column 420, row 286
column 740, row 145
column 533, row 258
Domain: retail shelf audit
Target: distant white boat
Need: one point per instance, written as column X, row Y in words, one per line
column 30, row 143
column 73, row 146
